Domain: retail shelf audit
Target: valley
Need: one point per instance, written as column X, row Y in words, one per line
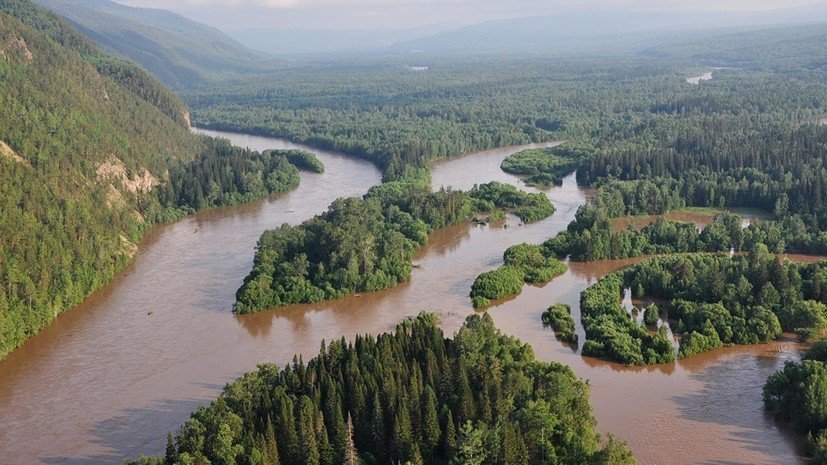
column 181, row 355
column 502, row 241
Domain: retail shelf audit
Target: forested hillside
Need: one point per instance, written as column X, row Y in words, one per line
column 132, row 78
column 411, row 396
column 91, row 150
column 180, row 52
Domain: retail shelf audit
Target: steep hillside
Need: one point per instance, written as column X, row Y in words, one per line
column 91, row 149
column 180, row 52
column 133, row 78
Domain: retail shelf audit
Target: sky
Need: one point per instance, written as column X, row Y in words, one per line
column 372, row 14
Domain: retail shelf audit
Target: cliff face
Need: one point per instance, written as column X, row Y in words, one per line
column 15, row 45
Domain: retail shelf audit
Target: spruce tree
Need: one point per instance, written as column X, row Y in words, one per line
column 307, row 433
column 270, row 450
column 449, row 439
column 430, row 424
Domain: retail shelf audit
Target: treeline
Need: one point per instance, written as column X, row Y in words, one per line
column 714, row 299
column 224, row 175
column 374, row 110
column 591, row 236
column 546, row 166
column 798, row 394
column 524, row 263
column 367, row 244
column 528, row 207
column 410, row 396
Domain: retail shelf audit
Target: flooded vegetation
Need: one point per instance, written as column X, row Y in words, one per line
column 171, row 341
column 701, row 217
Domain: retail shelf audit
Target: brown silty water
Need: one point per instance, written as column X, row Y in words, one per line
column 110, row 378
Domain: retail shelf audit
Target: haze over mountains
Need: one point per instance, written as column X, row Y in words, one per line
column 184, row 53
column 292, row 41
column 178, row 51
column 596, row 29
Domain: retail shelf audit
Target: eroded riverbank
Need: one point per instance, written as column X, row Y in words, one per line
column 110, row 378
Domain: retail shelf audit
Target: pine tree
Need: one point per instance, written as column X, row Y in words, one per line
column 336, row 422
column 404, row 444
column 287, row 426
column 465, row 398
column 379, row 429
column 327, row 455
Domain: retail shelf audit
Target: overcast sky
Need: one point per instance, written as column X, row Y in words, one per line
column 361, row 14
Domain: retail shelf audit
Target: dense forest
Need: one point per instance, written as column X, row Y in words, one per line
column 411, row 396
column 545, row 166
column 225, row 175
column 713, row 299
column 83, row 181
column 592, row 236
column 523, row 263
column 367, row 244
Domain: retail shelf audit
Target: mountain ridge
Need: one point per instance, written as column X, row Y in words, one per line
column 180, row 52
column 560, row 31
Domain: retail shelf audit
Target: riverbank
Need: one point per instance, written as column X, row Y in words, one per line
column 109, row 379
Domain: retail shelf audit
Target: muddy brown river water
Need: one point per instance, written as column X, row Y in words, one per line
column 110, row 378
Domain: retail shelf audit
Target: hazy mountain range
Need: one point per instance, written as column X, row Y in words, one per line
column 179, row 51
column 184, row 53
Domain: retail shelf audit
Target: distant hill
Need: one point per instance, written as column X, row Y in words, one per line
column 593, row 31
column 289, row 42
column 793, row 47
column 180, row 52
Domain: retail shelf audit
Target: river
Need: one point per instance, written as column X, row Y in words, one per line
column 109, row 379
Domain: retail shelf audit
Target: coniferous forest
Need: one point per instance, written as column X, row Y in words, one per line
column 94, row 151
column 410, row 396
